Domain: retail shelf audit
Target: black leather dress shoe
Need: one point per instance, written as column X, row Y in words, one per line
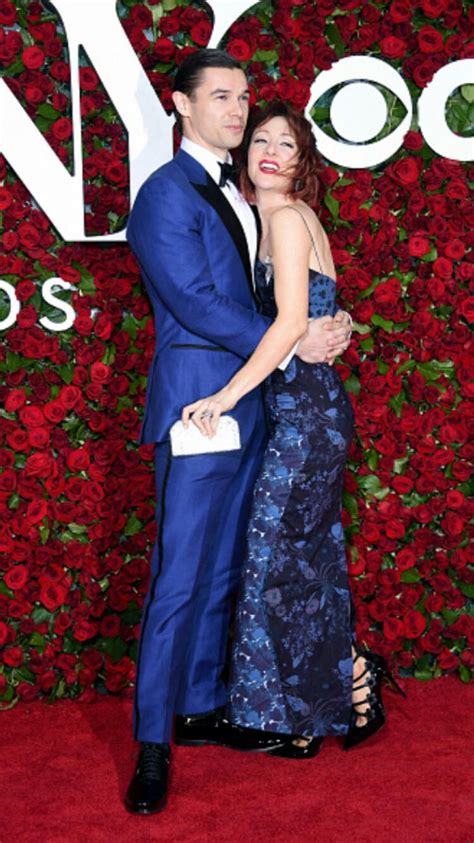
column 214, row 728
column 147, row 790
column 293, row 750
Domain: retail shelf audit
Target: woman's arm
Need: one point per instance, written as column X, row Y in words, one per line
column 290, row 245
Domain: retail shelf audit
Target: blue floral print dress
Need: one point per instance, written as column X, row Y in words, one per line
column 291, row 666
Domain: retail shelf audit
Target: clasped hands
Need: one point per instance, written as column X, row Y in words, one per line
column 326, row 338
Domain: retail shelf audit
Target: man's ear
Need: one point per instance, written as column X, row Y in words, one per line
column 181, row 103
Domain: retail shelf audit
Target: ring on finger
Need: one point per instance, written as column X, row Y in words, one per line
column 207, row 414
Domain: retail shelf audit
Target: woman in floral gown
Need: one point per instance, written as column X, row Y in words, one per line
column 296, row 670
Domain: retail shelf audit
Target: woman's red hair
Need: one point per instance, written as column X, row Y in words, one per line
column 305, row 174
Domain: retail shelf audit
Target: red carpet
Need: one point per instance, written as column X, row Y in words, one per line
column 65, row 766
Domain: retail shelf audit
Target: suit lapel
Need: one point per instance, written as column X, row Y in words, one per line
column 211, row 192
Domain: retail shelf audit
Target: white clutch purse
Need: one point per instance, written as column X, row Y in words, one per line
column 190, row 440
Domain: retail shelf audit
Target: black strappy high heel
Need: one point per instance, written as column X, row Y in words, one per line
column 372, row 676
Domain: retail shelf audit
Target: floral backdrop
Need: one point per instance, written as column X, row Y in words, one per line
column 77, row 494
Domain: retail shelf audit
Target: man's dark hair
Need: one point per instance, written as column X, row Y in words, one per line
column 190, row 72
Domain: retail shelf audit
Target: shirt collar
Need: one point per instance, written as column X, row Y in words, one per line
column 205, row 157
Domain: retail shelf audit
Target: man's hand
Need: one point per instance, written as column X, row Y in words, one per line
column 325, row 339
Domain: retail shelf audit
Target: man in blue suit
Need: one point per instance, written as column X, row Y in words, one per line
column 195, row 238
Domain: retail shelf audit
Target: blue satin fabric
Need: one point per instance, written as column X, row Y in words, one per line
column 197, row 282
column 194, row 263
column 203, row 510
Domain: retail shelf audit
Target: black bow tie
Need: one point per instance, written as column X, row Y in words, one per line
column 228, row 173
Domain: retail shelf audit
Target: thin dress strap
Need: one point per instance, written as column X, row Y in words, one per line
column 292, row 208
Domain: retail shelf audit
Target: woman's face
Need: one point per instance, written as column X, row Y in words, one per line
column 272, row 156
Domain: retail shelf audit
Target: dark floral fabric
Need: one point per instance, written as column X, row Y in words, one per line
column 291, row 664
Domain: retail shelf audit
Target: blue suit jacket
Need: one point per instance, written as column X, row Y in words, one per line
column 194, row 258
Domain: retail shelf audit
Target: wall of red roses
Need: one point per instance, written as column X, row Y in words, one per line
column 77, row 494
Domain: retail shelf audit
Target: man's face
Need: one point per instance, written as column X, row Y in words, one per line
column 216, row 114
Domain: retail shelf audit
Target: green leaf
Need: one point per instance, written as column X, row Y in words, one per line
column 38, row 641
column 430, row 256
column 399, row 465
column 14, row 361
column 411, row 575
column 450, row 615
column 372, row 459
column 380, row 322
column 464, row 672
column 66, row 373
column 116, row 648
column 467, row 91
column 397, row 402
column 352, row 384
column 14, row 501
column 132, row 614
column 267, row 56
column 332, row 205
column 370, row 483
column 424, row 674
column 334, row 37
column 47, row 110
column 133, row 525
column 367, row 344
column 467, row 588
column 5, row 590
column 349, row 503
column 77, row 529
column 40, row 615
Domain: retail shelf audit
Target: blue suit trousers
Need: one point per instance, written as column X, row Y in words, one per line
column 202, row 513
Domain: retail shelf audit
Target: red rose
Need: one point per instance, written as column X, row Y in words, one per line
column 62, row 128
column 27, row 692
column 448, row 660
column 405, row 171
column 201, row 33
column 453, row 524
column 55, row 411
column 13, row 656
column 393, row 47
column 164, row 50
column 52, row 595
column 15, row 578
column 7, row 13
column 414, row 624
column 434, row 8
column 29, row 235
column 418, row 245
column 393, row 628
column 38, row 465
column 84, row 629
column 36, row 511
column 430, row 40
column 4, row 629
column 100, row 372
column 5, row 198
column 240, row 49
column 78, row 460
column 33, row 57
column 467, row 309
column 443, row 267
column 32, row 416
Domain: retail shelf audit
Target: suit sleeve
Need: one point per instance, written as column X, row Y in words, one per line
column 164, row 233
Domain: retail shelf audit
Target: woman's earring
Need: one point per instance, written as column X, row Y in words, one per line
column 298, row 185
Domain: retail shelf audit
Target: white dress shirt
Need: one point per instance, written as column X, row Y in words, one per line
column 211, row 164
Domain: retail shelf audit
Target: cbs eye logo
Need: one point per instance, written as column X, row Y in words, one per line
column 358, row 111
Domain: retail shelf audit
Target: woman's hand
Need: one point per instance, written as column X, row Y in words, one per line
column 206, row 412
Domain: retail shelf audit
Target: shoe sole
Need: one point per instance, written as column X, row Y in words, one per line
column 145, row 812
column 181, row 742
